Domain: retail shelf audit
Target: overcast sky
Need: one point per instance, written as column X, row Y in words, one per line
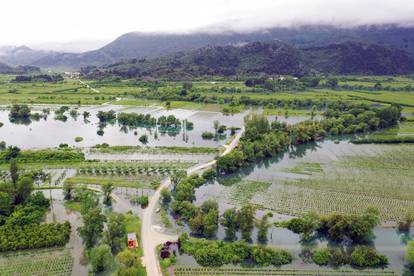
column 34, row 22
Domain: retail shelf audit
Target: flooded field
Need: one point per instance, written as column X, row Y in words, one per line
column 328, row 176
column 325, row 177
column 60, row 213
column 50, row 132
column 387, row 241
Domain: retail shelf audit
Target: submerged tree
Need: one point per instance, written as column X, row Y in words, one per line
column 246, row 218
column 93, row 225
column 107, row 189
column 230, row 220
column 14, row 171
column 115, row 234
column 68, row 189
column 263, row 226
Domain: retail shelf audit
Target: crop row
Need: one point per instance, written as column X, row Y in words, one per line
column 295, row 201
column 187, row 270
column 123, row 170
column 42, row 263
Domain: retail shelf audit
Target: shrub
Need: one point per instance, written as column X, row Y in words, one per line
column 143, row 139
column 365, row 256
column 321, row 256
column 100, row 258
column 165, row 195
column 33, row 236
column 210, row 174
column 143, row 201
column 207, row 135
column 46, row 155
column 409, row 256
column 78, row 139
column 126, row 258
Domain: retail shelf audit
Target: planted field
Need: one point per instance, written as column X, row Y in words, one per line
column 341, row 178
column 244, row 191
column 138, row 182
column 125, row 174
column 37, row 263
column 132, row 168
column 351, row 184
column 188, row 270
column 156, row 150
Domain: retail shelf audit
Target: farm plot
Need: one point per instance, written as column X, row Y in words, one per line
column 244, row 190
column 194, row 270
column 133, row 168
column 383, row 179
column 125, row 174
column 344, row 179
column 39, row 262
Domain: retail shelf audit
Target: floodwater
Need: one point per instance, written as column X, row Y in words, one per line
column 59, row 213
column 49, row 132
column 387, row 240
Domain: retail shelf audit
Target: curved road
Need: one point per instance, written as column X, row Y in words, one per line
column 150, row 237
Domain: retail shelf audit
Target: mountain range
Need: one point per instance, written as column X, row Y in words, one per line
column 269, row 58
column 21, row 69
column 144, row 45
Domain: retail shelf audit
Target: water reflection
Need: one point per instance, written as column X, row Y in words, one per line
column 56, row 129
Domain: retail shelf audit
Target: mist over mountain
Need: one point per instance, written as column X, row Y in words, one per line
column 6, row 69
column 268, row 58
column 144, row 45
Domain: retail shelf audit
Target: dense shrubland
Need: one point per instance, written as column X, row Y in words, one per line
column 360, row 256
column 218, row 253
column 21, row 213
column 336, row 227
column 38, row 78
column 135, row 120
column 103, row 233
column 46, row 155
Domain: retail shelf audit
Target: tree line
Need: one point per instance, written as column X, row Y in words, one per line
column 263, row 139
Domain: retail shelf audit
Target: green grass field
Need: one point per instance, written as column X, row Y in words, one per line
column 130, row 92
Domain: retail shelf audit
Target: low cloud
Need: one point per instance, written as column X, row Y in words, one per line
column 28, row 21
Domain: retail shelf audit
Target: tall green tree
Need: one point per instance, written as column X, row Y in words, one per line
column 263, row 227
column 93, row 225
column 115, row 234
column 247, row 218
column 230, row 220
column 14, row 171
column 177, row 176
column 107, row 189
column 409, row 256
column 100, row 258
column 24, row 188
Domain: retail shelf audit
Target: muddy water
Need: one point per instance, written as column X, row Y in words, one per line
column 387, row 240
column 50, row 132
column 59, row 213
